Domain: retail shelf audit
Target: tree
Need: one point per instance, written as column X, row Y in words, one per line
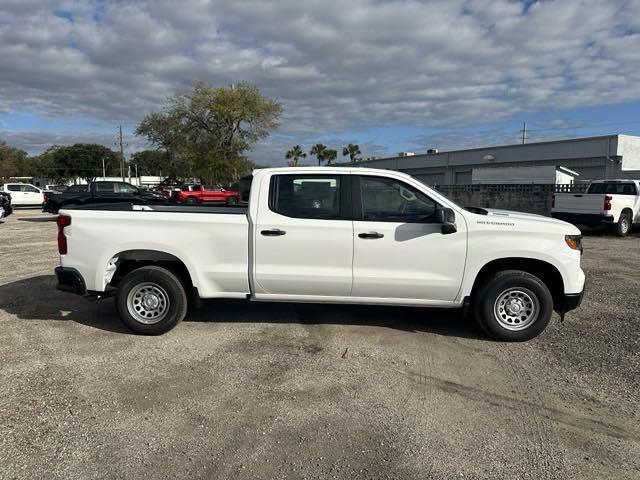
column 330, row 155
column 295, row 154
column 11, row 160
column 84, row 160
column 318, row 150
column 353, row 150
column 164, row 131
column 151, row 162
column 209, row 129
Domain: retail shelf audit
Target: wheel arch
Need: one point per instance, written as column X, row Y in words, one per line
column 545, row 271
column 628, row 210
column 128, row 260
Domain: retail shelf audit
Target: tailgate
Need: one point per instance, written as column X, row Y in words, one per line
column 579, row 203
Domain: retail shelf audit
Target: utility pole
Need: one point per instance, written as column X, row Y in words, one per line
column 121, row 154
column 524, row 133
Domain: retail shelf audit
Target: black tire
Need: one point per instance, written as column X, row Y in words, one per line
column 167, row 286
column 232, row 200
column 623, row 227
column 191, row 200
column 526, row 292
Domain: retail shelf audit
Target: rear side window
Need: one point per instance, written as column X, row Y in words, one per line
column 306, row 196
column 14, row 188
column 105, row 187
column 613, row 188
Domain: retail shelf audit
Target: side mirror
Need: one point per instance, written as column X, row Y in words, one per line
column 447, row 217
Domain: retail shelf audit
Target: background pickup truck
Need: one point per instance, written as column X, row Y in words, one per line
column 205, row 193
column 335, row 235
column 100, row 192
column 615, row 203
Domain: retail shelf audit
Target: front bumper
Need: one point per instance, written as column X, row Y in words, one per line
column 588, row 219
column 70, row 280
column 568, row 302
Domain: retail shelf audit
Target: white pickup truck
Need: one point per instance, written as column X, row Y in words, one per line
column 615, row 203
column 328, row 234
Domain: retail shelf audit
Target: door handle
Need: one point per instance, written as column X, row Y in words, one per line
column 273, row 232
column 371, row 235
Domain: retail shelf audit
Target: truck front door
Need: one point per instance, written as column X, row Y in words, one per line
column 304, row 238
column 399, row 253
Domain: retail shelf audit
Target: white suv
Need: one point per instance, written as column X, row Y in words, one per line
column 23, row 194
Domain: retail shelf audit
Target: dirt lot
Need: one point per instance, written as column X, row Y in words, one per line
column 300, row 391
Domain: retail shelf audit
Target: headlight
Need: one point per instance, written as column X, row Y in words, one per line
column 574, row 242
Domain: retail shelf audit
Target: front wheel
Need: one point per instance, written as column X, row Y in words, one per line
column 151, row 300
column 232, row 200
column 513, row 306
column 191, row 200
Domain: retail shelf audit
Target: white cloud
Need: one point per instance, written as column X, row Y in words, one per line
column 337, row 66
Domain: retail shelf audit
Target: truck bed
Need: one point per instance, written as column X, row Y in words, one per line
column 185, row 208
column 211, row 242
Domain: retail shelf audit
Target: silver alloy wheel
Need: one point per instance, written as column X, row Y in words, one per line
column 516, row 308
column 148, row 303
column 624, row 224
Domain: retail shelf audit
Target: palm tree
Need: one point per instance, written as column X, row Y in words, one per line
column 353, row 150
column 330, row 155
column 294, row 155
column 318, row 150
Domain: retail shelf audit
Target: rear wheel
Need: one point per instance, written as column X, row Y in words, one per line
column 623, row 226
column 191, row 200
column 151, row 300
column 232, row 200
column 513, row 306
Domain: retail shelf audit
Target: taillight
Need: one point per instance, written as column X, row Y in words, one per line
column 553, row 201
column 607, row 202
column 62, row 221
column 47, row 195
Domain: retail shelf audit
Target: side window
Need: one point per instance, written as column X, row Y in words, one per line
column 14, row 188
column 105, row 187
column 306, row 196
column 212, row 188
column 30, row 189
column 388, row 200
column 126, row 188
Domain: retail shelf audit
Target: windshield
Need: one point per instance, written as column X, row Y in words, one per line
column 613, row 188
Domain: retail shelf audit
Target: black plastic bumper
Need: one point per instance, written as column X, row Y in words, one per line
column 70, row 280
column 589, row 219
column 569, row 301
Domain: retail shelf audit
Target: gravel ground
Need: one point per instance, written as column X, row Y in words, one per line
column 246, row 390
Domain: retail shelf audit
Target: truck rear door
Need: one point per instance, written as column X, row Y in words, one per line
column 304, row 238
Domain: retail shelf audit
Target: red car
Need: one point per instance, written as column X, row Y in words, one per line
column 206, row 193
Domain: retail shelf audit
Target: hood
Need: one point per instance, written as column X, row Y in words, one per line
column 532, row 218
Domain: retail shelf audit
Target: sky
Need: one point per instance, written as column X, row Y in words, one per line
column 389, row 75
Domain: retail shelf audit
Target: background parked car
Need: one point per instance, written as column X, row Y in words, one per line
column 23, row 194
column 5, row 205
column 206, row 193
column 100, row 192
